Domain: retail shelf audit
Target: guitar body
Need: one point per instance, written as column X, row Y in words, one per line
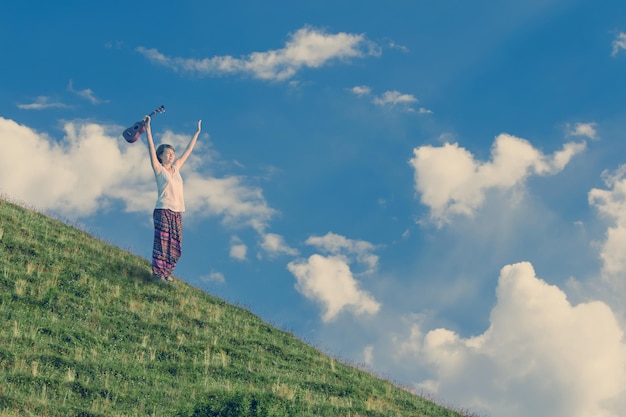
column 134, row 132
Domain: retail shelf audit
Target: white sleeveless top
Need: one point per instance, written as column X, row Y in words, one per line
column 170, row 189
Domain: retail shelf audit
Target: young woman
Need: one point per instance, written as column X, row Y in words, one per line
column 168, row 226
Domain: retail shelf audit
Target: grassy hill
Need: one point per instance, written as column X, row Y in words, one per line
column 84, row 331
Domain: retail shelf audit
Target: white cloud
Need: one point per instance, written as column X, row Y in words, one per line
column 239, row 204
column 86, row 94
column 91, row 167
column 611, row 204
column 368, row 355
column 393, row 98
column 361, row 90
column 451, row 182
column 583, row 129
column 238, row 250
column 541, row 356
column 394, row 45
column 41, row 103
column 329, row 281
column 73, row 176
column 334, row 243
column 619, row 43
column 216, row 277
column 275, row 245
column 307, row 48
column 339, row 245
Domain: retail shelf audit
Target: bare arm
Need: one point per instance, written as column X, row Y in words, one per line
column 156, row 165
column 181, row 160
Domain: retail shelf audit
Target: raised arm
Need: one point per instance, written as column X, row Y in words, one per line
column 156, row 165
column 181, row 160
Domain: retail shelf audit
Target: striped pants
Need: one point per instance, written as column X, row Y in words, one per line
column 168, row 234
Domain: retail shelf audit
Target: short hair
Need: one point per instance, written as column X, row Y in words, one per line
column 162, row 149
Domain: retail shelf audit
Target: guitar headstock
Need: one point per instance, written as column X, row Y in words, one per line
column 157, row 110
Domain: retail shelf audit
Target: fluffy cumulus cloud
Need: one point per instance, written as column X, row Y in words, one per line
column 230, row 197
column 274, row 244
column 540, row 356
column 328, row 279
column 361, row 90
column 307, row 48
column 611, row 204
column 91, row 167
column 587, row 130
column 238, row 249
column 451, row 182
column 335, row 244
column 73, row 176
column 214, row 277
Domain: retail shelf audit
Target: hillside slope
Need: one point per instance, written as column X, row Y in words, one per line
column 84, row 331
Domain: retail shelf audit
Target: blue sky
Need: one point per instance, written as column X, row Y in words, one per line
column 433, row 190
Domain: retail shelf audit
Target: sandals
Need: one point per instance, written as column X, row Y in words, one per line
column 165, row 280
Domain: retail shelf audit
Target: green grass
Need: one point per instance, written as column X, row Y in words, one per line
column 84, row 331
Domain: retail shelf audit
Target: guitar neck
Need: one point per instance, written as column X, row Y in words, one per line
column 157, row 110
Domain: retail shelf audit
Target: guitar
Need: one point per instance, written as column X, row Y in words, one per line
column 132, row 133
